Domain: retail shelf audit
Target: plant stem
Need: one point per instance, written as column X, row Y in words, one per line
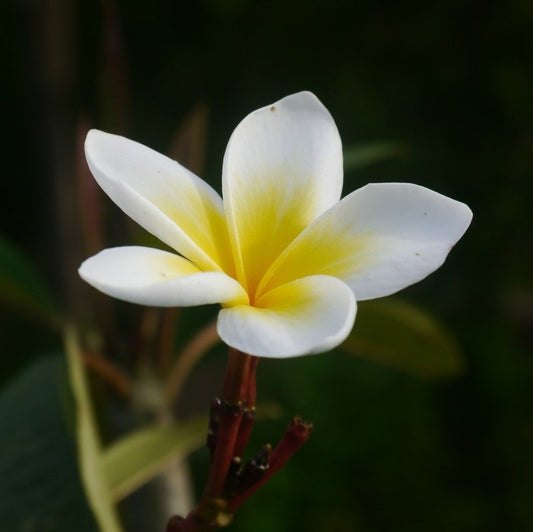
column 230, row 416
column 210, row 513
column 236, row 380
column 248, row 415
column 295, row 436
column 204, row 340
column 111, row 373
column 230, row 483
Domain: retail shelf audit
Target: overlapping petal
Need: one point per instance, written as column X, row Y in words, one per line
column 379, row 239
column 282, row 255
column 157, row 278
column 309, row 315
column 282, row 168
column 164, row 197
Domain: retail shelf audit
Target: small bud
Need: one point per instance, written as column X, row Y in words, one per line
column 235, row 466
column 254, row 469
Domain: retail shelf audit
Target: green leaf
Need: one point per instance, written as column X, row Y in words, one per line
column 111, row 474
column 137, row 458
column 40, row 486
column 22, row 286
column 90, row 454
column 402, row 336
column 361, row 155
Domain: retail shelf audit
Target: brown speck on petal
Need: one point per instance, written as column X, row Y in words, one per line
column 273, row 108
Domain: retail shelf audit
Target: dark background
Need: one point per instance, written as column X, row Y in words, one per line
column 451, row 80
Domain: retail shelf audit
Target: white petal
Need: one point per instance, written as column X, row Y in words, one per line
column 282, row 168
column 164, row 197
column 306, row 316
column 157, row 278
column 379, row 239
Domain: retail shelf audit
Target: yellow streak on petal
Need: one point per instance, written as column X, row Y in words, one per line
column 267, row 217
column 293, row 302
column 205, row 225
column 327, row 248
column 289, row 299
column 168, row 266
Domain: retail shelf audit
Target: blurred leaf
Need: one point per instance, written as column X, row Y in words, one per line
column 22, row 286
column 137, row 458
column 40, row 487
column 89, row 445
column 402, row 336
column 111, row 474
column 361, row 155
column 268, row 410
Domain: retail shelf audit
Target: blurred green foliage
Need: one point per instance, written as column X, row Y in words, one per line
column 41, row 488
column 402, row 336
column 22, row 287
column 451, row 81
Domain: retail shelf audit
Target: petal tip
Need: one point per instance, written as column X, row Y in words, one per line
column 93, row 136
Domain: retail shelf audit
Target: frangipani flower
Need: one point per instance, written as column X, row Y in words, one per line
column 283, row 255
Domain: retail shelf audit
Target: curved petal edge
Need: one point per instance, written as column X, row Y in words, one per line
column 306, row 316
column 162, row 196
column 379, row 239
column 282, row 168
column 153, row 277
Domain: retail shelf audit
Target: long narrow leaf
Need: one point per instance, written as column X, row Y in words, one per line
column 89, row 445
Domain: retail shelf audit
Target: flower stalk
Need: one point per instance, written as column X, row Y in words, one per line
column 268, row 463
column 230, row 483
column 187, row 358
column 109, row 372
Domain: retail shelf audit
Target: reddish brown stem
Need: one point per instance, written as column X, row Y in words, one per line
column 230, row 483
column 228, row 428
column 212, row 429
column 201, row 342
column 248, row 417
column 251, row 392
column 245, row 431
column 112, row 374
column 225, row 423
column 296, row 435
column 237, row 375
column 230, row 414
